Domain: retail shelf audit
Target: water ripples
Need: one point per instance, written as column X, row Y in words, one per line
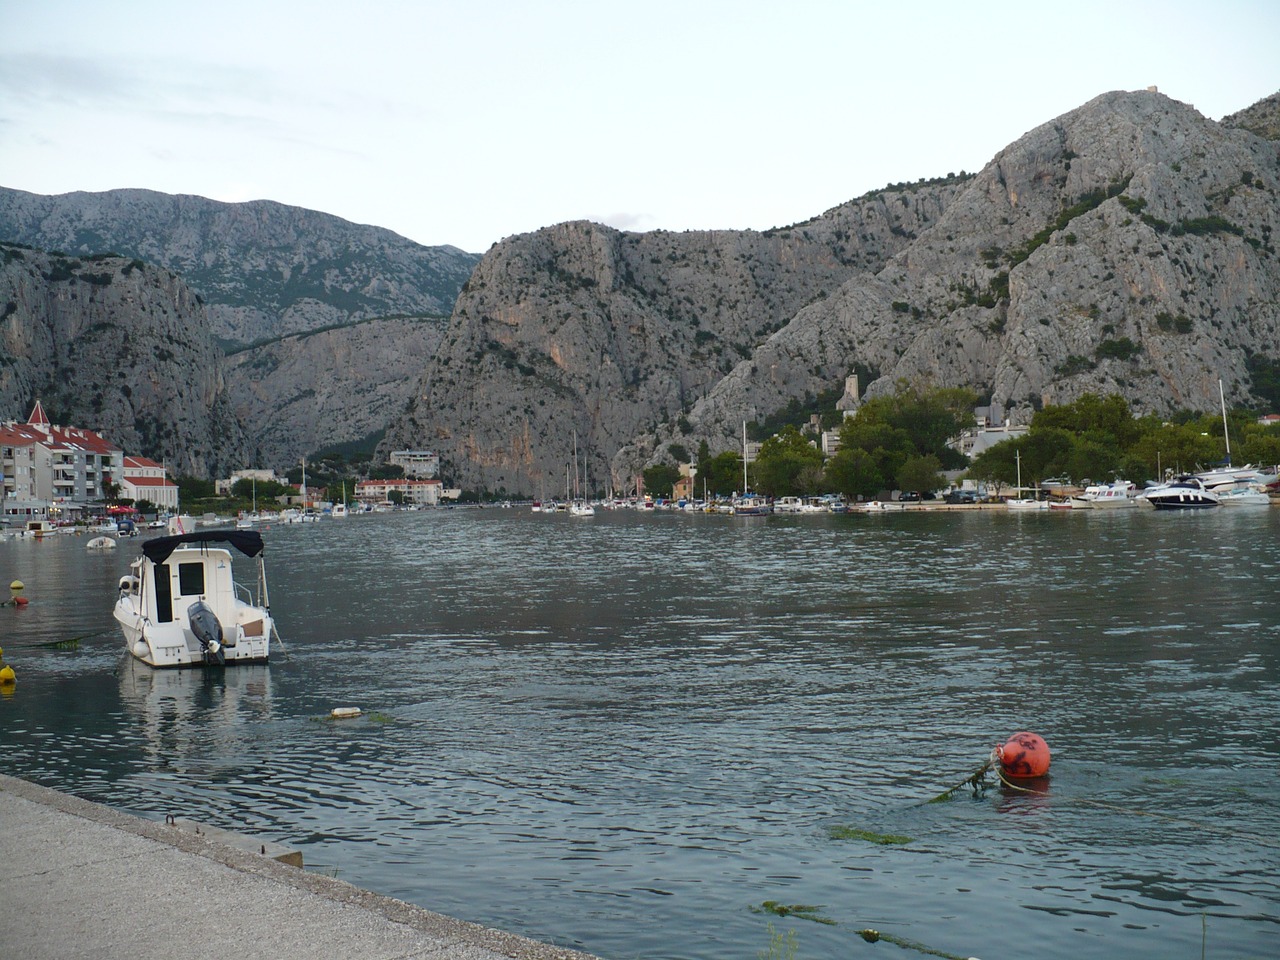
column 623, row 733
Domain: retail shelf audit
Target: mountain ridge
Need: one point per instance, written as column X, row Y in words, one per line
column 1125, row 246
column 263, row 268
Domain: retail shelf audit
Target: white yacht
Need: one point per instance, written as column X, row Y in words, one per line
column 1181, row 493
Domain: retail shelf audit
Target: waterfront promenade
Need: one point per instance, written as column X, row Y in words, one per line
column 81, row 880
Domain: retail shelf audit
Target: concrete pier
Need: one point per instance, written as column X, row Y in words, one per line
column 80, row 880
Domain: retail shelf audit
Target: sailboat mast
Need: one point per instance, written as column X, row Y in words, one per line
column 744, row 458
column 1226, row 436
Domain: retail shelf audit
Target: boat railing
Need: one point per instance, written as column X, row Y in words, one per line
column 242, row 593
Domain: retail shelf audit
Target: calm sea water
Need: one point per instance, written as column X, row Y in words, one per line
column 627, row 733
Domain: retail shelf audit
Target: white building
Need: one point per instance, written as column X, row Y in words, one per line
column 416, row 463
column 425, row 492
column 42, row 461
column 145, row 480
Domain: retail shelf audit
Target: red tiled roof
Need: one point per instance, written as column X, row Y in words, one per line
column 142, row 462
column 38, row 416
column 149, row 482
column 20, row 436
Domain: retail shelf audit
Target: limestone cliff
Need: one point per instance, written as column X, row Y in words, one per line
column 118, row 346
column 583, row 329
column 263, row 269
column 308, row 391
column 1126, row 246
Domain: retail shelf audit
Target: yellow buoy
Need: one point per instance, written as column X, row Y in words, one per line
column 7, row 675
column 17, row 585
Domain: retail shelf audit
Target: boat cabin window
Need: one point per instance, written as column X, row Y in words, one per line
column 164, row 595
column 190, row 579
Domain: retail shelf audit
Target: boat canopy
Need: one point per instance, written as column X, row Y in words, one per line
column 248, row 542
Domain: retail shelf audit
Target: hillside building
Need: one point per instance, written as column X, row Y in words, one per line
column 416, row 463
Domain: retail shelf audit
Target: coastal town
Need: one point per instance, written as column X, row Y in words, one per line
column 69, row 477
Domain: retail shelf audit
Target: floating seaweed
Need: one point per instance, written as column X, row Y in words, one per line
column 801, row 910
column 976, row 781
column 875, row 936
column 867, row 836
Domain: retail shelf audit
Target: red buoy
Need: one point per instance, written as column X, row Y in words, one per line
column 1024, row 755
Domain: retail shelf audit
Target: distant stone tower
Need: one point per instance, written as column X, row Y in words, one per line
column 849, row 402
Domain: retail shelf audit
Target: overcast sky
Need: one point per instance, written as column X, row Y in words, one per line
column 468, row 121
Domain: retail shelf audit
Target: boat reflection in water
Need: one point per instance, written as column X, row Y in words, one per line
column 183, row 714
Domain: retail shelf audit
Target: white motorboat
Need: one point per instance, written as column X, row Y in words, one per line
column 581, row 508
column 1118, row 493
column 1249, row 495
column 180, row 607
column 1181, row 493
column 339, row 511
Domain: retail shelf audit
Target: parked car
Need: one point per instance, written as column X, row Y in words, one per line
column 909, row 496
column 962, row 496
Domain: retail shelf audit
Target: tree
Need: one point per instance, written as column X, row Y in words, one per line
column 660, row 478
column 1181, row 446
column 921, row 474
column 784, row 458
column 386, row 471
column 931, row 417
column 854, row 473
column 720, row 475
column 1092, row 414
column 247, row 488
column 1260, row 445
column 194, row 489
column 999, row 465
column 914, row 422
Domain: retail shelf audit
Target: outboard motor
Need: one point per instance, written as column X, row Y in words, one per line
column 204, row 624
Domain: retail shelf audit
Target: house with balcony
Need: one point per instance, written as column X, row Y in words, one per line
column 62, row 468
column 423, row 492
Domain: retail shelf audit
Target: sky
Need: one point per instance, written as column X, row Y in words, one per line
column 468, row 121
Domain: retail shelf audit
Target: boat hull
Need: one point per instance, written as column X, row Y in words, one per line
column 174, row 645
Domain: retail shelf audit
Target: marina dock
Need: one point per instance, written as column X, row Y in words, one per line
column 82, row 880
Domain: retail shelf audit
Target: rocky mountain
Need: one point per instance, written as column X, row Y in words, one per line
column 122, row 347
column 1127, row 246
column 263, row 269
column 584, row 329
column 307, row 391
column 1263, row 118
